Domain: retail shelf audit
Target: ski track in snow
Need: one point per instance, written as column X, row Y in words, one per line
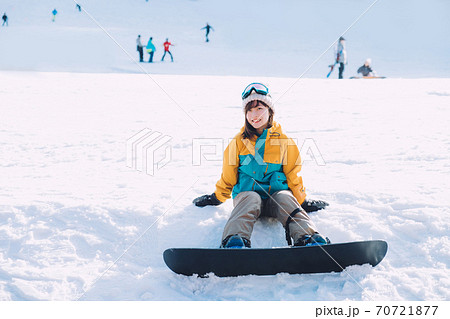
column 77, row 223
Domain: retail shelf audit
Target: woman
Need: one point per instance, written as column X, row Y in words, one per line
column 366, row 69
column 261, row 168
column 150, row 49
column 140, row 48
column 341, row 56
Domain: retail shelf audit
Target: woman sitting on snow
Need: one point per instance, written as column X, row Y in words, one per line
column 366, row 69
column 261, row 170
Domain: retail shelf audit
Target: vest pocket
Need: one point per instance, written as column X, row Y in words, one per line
column 278, row 182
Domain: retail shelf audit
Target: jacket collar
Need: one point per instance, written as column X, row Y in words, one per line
column 274, row 131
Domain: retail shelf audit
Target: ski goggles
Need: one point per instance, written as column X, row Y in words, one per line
column 257, row 87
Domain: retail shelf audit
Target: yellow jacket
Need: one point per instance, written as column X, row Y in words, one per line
column 265, row 165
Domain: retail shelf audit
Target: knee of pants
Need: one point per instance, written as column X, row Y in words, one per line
column 285, row 200
column 249, row 199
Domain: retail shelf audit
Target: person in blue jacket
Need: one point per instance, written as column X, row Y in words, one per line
column 54, row 12
column 150, row 49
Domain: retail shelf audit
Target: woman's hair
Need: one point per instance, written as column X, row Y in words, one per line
column 249, row 130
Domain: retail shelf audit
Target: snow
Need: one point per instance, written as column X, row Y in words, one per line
column 260, row 38
column 77, row 222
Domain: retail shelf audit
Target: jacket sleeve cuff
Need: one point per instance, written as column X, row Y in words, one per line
column 220, row 197
column 300, row 195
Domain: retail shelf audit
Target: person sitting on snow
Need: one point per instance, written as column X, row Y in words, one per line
column 261, row 171
column 366, row 69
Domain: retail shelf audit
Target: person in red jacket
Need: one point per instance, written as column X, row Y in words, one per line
column 167, row 45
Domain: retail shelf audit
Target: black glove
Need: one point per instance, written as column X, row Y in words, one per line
column 313, row 205
column 206, row 200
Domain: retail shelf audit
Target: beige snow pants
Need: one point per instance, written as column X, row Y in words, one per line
column 248, row 206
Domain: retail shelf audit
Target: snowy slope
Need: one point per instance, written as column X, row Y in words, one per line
column 71, row 207
column 404, row 38
column 77, row 223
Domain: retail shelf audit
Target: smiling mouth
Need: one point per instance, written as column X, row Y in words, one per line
column 256, row 121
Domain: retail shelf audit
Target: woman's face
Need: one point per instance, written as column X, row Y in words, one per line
column 258, row 117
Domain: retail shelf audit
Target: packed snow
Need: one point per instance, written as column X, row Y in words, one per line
column 78, row 222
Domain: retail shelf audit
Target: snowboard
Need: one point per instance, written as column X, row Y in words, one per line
column 331, row 70
column 231, row 262
column 367, row 77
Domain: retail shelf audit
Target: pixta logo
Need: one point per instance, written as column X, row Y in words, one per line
column 144, row 151
column 206, row 150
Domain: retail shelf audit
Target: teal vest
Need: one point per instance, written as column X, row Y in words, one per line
column 256, row 175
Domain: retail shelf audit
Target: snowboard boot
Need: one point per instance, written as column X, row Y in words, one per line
column 312, row 240
column 235, row 241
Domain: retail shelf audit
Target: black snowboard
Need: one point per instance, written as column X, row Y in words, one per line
column 270, row 261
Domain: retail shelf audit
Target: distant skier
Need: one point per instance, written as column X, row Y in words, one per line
column 366, row 69
column 78, row 7
column 150, row 49
column 5, row 19
column 140, row 48
column 54, row 12
column 341, row 56
column 167, row 45
column 208, row 28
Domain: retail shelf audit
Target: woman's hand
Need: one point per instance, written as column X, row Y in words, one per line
column 207, row 200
